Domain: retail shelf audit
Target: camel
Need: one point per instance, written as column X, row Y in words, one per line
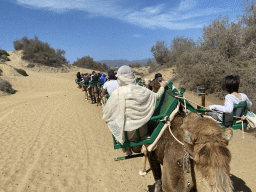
column 95, row 94
column 86, row 90
column 154, row 86
column 206, row 143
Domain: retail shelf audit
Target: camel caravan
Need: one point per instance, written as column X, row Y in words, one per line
column 186, row 147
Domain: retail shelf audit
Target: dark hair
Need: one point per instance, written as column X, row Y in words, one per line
column 158, row 75
column 112, row 77
column 111, row 72
column 78, row 75
column 231, row 83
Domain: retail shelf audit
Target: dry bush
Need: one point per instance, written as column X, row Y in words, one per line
column 87, row 62
column 153, row 67
column 138, row 73
column 5, row 86
column 31, row 65
column 21, row 71
column 135, row 65
column 3, row 52
column 38, row 52
column 3, row 56
column 226, row 49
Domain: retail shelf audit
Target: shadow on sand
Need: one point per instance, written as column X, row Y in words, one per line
column 238, row 184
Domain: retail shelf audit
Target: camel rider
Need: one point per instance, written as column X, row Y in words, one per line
column 110, row 85
column 130, row 107
column 86, row 77
column 155, row 84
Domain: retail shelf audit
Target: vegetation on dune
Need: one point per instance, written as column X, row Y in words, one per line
column 135, row 65
column 225, row 49
column 37, row 51
column 3, row 55
column 5, row 86
column 87, row 62
column 31, row 65
column 21, row 71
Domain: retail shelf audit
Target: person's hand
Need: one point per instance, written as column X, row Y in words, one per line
column 207, row 108
column 163, row 84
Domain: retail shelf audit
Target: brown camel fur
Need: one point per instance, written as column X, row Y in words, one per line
column 154, row 86
column 206, row 142
column 95, row 95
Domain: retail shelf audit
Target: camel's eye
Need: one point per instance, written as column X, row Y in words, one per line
column 178, row 163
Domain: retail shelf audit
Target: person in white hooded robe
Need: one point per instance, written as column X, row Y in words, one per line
column 130, row 107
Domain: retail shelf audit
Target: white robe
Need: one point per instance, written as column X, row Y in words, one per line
column 129, row 108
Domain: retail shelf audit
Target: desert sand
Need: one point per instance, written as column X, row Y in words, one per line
column 52, row 139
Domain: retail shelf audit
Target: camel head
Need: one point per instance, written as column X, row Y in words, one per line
column 207, row 143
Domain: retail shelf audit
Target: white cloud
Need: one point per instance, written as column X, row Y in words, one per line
column 184, row 16
column 136, row 35
column 186, row 5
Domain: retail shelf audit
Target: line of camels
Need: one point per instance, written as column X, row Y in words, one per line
column 201, row 164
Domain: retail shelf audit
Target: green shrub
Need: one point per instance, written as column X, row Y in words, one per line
column 37, row 51
column 5, row 86
column 135, row 65
column 31, row 65
column 3, row 52
column 21, row 71
column 87, row 62
column 4, row 58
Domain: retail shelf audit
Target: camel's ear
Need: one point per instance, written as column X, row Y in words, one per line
column 228, row 134
column 187, row 137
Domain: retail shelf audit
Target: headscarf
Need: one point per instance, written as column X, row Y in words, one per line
column 103, row 76
column 130, row 105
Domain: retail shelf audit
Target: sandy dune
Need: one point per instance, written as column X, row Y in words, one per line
column 53, row 140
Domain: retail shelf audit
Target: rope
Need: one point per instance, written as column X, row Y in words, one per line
column 179, row 97
column 185, row 158
column 174, row 136
column 185, row 164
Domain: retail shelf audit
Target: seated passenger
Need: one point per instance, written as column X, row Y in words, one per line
column 86, row 77
column 102, row 78
column 110, row 85
column 95, row 77
column 78, row 77
column 130, row 107
column 231, row 85
column 155, row 84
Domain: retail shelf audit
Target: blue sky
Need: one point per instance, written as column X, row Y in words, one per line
column 109, row 29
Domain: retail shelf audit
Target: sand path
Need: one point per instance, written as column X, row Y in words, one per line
column 51, row 139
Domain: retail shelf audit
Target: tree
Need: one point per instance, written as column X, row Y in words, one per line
column 160, row 52
column 179, row 46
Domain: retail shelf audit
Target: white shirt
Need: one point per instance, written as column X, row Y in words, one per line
column 110, row 86
column 230, row 101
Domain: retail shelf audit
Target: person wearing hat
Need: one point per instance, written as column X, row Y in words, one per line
column 155, row 84
column 130, row 107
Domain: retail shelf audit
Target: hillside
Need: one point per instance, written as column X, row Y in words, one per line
column 119, row 63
